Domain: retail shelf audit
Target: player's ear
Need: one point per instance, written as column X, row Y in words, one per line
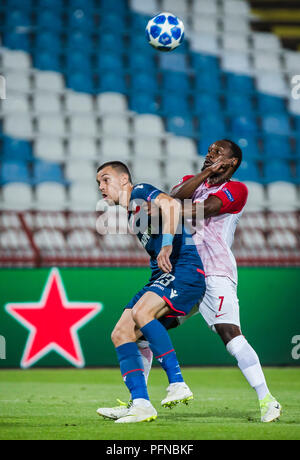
column 234, row 162
column 124, row 179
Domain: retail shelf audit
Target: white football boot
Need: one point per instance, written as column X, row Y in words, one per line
column 270, row 409
column 140, row 411
column 115, row 412
column 177, row 393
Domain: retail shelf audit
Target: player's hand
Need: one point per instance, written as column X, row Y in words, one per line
column 220, row 166
column 163, row 259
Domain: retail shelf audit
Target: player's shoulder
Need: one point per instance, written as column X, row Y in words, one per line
column 236, row 186
column 145, row 191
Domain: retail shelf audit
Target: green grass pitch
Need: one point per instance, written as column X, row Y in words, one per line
column 62, row 403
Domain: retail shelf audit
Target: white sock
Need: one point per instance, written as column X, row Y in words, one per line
column 147, row 357
column 249, row 364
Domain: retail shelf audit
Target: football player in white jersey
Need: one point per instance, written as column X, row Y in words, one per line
column 223, row 201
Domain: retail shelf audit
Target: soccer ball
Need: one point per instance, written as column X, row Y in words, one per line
column 165, row 32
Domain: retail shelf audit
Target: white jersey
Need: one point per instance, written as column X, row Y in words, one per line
column 215, row 239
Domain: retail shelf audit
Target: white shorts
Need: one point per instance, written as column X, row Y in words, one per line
column 219, row 304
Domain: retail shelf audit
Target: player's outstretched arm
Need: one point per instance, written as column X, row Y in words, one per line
column 171, row 213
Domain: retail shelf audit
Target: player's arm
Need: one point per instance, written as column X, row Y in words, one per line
column 188, row 187
column 208, row 208
column 171, row 214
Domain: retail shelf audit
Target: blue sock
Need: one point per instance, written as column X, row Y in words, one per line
column 132, row 370
column 161, row 345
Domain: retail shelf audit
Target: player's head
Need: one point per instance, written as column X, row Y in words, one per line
column 113, row 177
column 224, row 149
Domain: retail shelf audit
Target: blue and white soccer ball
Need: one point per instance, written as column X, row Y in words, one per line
column 165, row 32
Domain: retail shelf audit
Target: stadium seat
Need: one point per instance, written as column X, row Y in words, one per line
column 172, row 81
column 235, row 103
column 81, row 81
column 142, row 102
column 82, row 240
column 80, row 19
column 276, row 146
column 51, row 124
column 176, row 62
column 205, row 61
column 205, row 103
column 49, row 148
column 14, row 172
column 17, row 40
column 181, row 126
column 263, row 61
column 15, row 60
column 46, row 103
column 83, row 197
column 16, row 149
column 110, row 40
column 236, row 62
column 149, row 165
column 80, row 147
column 149, row 7
column 243, row 125
column 256, row 201
column 248, row 171
column 116, row 148
column 18, row 126
column 213, row 123
column 50, row 240
column 141, row 62
column 108, row 61
column 207, row 79
column 143, row 148
column 239, row 83
column 205, row 6
column 277, row 170
column 111, row 102
column 204, row 43
column 86, row 125
column 47, row 40
column 276, row 123
column 111, row 81
column 249, row 146
column 272, row 83
column 80, row 171
column 142, row 81
column 207, row 23
column 78, row 60
column 175, row 104
column 15, row 18
column 78, row 102
column 79, row 40
column 267, row 103
column 253, row 239
column 283, row 197
column 17, row 196
column 18, row 81
column 44, row 171
column 148, row 124
column 235, row 7
column 265, row 41
column 235, row 42
column 49, row 20
column 15, row 103
column 44, row 60
column 282, row 239
column 112, row 124
column 180, row 147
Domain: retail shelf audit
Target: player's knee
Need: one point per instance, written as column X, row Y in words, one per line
column 227, row 332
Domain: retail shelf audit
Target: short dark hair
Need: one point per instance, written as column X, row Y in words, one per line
column 116, row 165
column 236, row 152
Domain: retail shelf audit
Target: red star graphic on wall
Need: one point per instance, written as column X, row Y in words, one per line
column 53, row 323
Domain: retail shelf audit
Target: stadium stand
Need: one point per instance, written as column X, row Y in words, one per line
column 84, row 87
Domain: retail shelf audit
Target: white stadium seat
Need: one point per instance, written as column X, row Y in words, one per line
column 266, row 41
column 178, row 7
column 17, row 81
column 232, row 25
column 204, row 43
column 292, row 61
column 83, row 197
column 236, row 61
column 50, row 124
column 111, row 102
column 236, row 7
column 150, row 7
column 12, row 59
column 271, row 83
column 267, row 61
column 49, row 81
column 18, row 125
column 15, row 103
column 50, row 196
column 205, row 6
column 205, row 23
column 283, row 196
column 147, row 148
column 147, row 124
column 180, row 147
column 80, row 171
column 116, row 148
column 17, row 196
column 82, row 148
column 253, row 239
column 50, row 240
column 46, row 103
column 78, row 102
column 84, row 125
column 143, row 166
column 49, row 148
column 112, row 124
column 256, row 197
column 13, row 239
column 232, row 41
column 282, row 239
column 82, row 239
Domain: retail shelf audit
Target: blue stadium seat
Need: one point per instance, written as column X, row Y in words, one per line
column 206, row 81
column 277, row 147
column 174, row 104
column 78, row 60
column 116, row 5
column 19, row 4
column 80, row 20
column 205, row 62
column 55, row 5
column 141, row 62
column 181, row 126
column 176, row 61
column 248, row 171
column 239, row 83
column 80, row 41
column 84, row 5
column 16, row 150
column 48, row 40
column 113, row 21
column 44, row 171
column 249, row 145
column 143, row 81
column 81, row 81
column 206, row 103
column 111, row 41
column 17, row 41
column 13, row 171
column 176, row 81
column 112, row 81
column 143, row 102
column 45, row 60
column 244, row 125
column 137, row 42
column 17, row 18
column 276, row 123
column 236, row 103
column 213, row 124
column 277, row 170
column 49, row 20
column 270, row 104
column 108, row 61
column 138, row 21
column 296, row 120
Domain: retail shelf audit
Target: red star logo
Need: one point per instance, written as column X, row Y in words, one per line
column 53, row 323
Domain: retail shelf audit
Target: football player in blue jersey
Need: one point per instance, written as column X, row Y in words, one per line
column 176, row 284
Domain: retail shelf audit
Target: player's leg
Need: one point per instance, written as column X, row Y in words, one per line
column 220, row 308
column 124, row 338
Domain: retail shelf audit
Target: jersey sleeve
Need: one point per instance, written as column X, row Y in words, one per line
column 233, row 196
column 184, row 179
column 145, row 192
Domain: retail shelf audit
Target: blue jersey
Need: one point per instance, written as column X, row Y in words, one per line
column 149, row 231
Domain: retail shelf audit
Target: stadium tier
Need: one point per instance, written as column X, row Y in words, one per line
column 83, row 87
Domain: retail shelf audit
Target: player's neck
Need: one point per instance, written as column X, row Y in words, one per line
column 125, row 195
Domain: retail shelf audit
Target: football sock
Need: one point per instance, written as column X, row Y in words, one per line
column 249, row 364
column 162, row 348
column 147, row 357
column 132, row 370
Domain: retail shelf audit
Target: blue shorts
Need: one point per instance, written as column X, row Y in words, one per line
column 180, row 289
